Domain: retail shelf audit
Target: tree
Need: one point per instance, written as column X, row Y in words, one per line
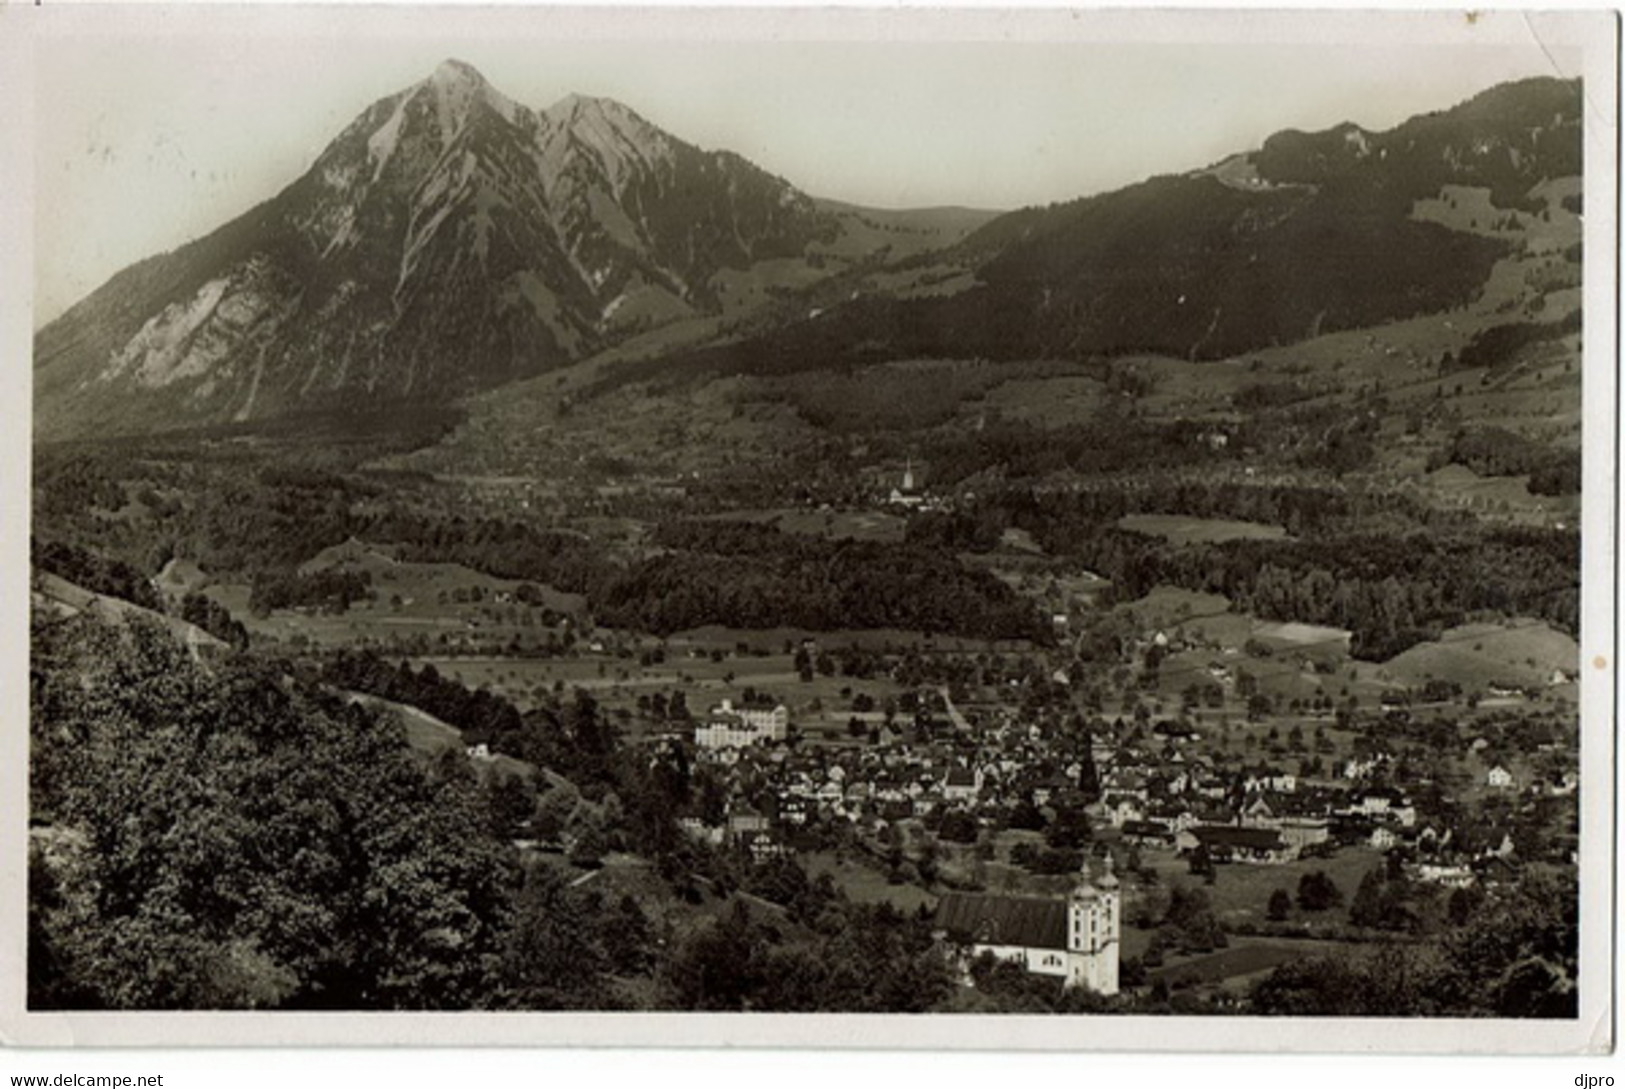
column 1317, row 892
column 1088, row 773
column 721, row 965
column 958, row 827
column 1370, row 905
column 1463, row 902
column 510, row 802
column 1070, row 829
column 254, row 842
column 1280, row 905
column 1026, row 816
column 555, row 955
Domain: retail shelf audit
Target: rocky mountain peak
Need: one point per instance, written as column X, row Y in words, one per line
column 447, row 240
column 454, row 72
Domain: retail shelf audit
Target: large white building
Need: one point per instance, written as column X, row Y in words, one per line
column 1076, row 938
column 730, row 727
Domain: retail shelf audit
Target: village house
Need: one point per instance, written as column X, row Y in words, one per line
column 1383, row 838
column 1256, row 811
column 961, row 785
column 1272, row 779
column 762, row 846
column 1302, row 832
column 698, row 830
column 1384, row 804
column 1123, row 808
column 746, row 819
column 1450, row 876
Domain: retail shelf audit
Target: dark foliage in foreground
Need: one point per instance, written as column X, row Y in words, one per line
column 1517, row 955
column 228, row 837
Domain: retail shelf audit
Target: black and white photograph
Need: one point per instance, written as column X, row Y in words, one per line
column 1043, row 529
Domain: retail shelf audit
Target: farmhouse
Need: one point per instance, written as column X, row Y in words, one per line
column 1301, row 832
column 1148, row 834
column 1075, row 939
column 1229, row 843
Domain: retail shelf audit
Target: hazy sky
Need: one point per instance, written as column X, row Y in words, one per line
column 146, row 140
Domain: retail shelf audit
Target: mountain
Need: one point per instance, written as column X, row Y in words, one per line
column 1311, row 233
column 449, row 239
column 452, row 240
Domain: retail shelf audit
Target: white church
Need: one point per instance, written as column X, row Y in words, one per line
column 1076, row 938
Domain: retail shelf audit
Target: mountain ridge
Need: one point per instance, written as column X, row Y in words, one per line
column 1266, row 248
column 451, row 240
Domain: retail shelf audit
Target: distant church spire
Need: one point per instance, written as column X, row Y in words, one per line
column 1085, row 888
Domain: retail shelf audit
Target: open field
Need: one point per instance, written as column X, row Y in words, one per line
column 1179, row 529
column 1047, row 402
column 1245, row 959
column 818, row 707
column 835, row 525
column 866, row 885
column 1168, row 606
column 772, row 640
column 1241, row 891
column 1315, row 641
column 1519, row 653
column 414, row 607
column 425, row 733
column 1459, row 486
column 420, row 586
column 1468, row 208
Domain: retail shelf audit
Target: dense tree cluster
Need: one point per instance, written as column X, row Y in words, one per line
column 1515, row 953
column 1391, row 589
column 1299, row 508
column 214, row 618
column 329, row 591
column 1499, row 345
column 1390, row 592
column 1018, row 450
column 94, row 572
column 1492, row 451
column 480, row 714
column 75, row 483
column 227, row 840
column 753, row 576
column 849, row 958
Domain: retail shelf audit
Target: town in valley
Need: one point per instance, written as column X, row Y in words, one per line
column 531, row 562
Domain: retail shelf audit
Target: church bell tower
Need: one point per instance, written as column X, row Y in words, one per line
column 1094, row 924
